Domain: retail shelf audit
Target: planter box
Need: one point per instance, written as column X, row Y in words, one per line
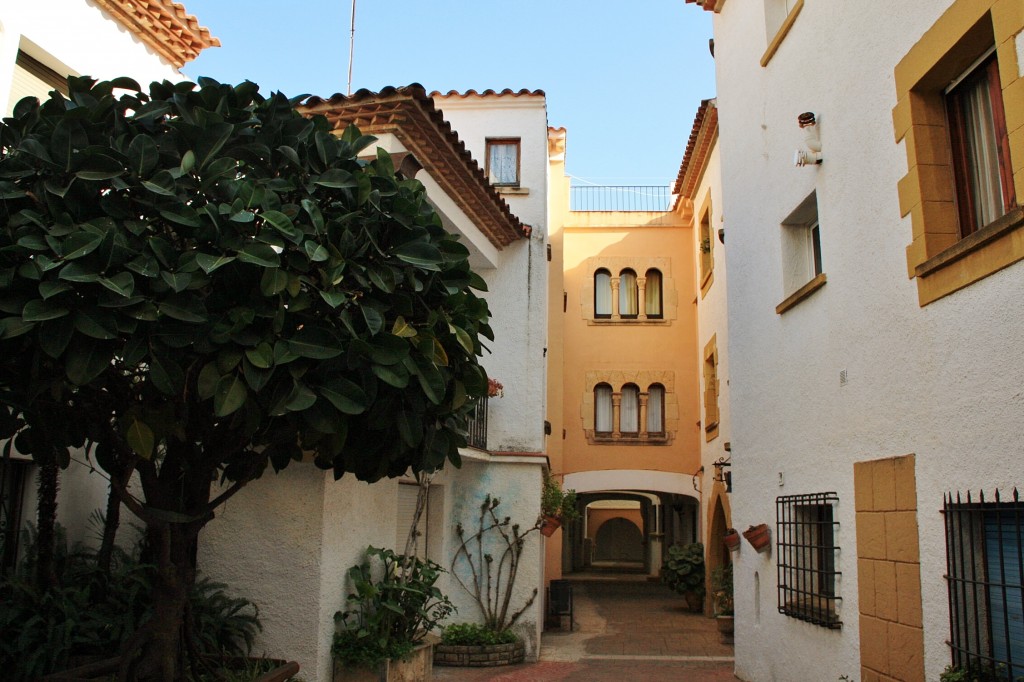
column 417, row 667
column 482, row 656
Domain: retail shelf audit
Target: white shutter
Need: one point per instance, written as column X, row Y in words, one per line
column 407, row 494
column 31, row 78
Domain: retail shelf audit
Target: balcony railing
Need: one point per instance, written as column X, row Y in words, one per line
column 477, row 436
column 620, row 198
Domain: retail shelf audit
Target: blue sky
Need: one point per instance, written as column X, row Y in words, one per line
column 624, row 79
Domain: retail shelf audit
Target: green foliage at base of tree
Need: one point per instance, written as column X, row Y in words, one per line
column 475, row 634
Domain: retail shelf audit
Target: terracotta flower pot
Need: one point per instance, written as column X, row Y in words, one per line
column 759, row 537
column 732, row 540
column 551, row 524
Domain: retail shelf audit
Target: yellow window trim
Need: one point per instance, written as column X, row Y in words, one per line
column 800, row 294
column 780, row 35
column 937, row 258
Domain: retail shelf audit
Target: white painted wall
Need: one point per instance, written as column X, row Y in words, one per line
column 74, row 36
column 518, row 286
column 941, row 381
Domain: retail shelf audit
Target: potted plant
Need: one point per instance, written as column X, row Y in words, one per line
column 394, row 604
column 478, row 646
column 721, row 590
column 759, row 537
column 557, row 506
column 683, row 571
column 731, row 539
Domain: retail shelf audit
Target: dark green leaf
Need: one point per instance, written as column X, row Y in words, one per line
column 80, row 244
column 210, row 263
column 86, row 360
column 283, row 224
column 183, row 307
column 122, row 284
column 336, row 178
column 420, row 254
column 140, row 439
column 142, row 155
column 315, row 343
column 38, row 310
column 348, row 397
column 259, row 254
column 206, row 384
column 273, row 281
column 262, row 356
column 98, row 166
column 55, row 335
column 229, row 396
column 178, row 281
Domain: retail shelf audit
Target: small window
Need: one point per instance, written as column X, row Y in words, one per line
column 503, row 161
column 814, row 245
column 775, row 13
column 711, row 416
column 706, row 246
column 629, row 417
column 656, row 409
column 628, row 295
column 806, row 532
column 802, row 264
column 984, row 556
column 980, row 146
column 603, row 409
column 652, row 294
column 602, row 294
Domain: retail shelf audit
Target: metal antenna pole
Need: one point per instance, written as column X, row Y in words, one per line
column 351, row 46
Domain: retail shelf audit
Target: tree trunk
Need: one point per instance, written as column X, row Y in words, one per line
column 46, row 575
column 157, row 651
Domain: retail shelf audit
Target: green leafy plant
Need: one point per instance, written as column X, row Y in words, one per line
column 475, row 634
column 491, row 557
column 196, row 282
column 393, row 604
column 561, row 504
column 979, row 672
column 721, row 590
column 683, row 569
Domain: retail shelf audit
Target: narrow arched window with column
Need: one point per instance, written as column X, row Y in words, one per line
column 652, row 294
column 603, row 409
column 656, row 409
column 602, row 294
column 628, row 295
column 629, row 419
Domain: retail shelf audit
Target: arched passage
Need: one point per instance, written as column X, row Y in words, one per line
column 619, row 540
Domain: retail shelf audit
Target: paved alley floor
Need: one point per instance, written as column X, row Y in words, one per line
column 626, row 629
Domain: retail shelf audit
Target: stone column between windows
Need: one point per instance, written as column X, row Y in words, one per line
column 641, row 301
column 616, row 412
column 615, row 306
column 642, row 426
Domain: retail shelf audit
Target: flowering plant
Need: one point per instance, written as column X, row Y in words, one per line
column 495, row 389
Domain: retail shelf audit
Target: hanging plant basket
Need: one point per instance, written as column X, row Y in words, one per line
column 551, row 524
column 759, row 537
column 731, row 539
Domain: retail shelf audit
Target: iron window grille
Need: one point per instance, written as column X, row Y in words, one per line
column 984, row 569
column 807, row 576
column 476, row 436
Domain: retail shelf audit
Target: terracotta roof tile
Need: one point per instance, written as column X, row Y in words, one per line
column 709, row 5
column 409, row 113
column 163, row 25
column 702, row 136
column 489, row 93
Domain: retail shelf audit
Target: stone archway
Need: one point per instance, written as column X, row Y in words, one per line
column 618, row 539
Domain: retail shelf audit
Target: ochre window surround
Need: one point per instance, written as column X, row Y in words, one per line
column 615, row 407
column 939, row 256
column 711, row 415
column 602, row 297
column 706, row 246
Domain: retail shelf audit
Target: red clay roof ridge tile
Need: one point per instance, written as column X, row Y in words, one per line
column 163, row 25
column 697, row 148
column 524, row 92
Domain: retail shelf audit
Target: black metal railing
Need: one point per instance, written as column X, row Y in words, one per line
column 620, row 198
column 806, row 531
column 477, row 435
column 984, row 569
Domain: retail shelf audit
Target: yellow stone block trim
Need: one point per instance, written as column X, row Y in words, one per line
column 780, row 35
column 940, row 261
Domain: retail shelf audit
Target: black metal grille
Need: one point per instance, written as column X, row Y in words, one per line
column 984, row 565
column 12, row 480
column 806, row 532
column 477, row 435
column 620, row 198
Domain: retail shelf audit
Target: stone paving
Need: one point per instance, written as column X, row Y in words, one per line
column 626, row 628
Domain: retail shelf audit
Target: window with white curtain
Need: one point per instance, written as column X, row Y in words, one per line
column 628, row 294
column 602, row 293
column 652, row 294
column 656, row 409
column 503, row 161
column 629, row 417
column 602, row 408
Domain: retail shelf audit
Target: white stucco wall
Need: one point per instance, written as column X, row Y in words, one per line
column 942, row 381
column 75, row 36
column 517, row 294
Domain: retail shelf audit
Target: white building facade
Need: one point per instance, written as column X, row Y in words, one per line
column 873, row 317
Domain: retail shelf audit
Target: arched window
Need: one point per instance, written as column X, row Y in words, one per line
column 629, row 418
column 602, row 293
column 652, row 294
column 656, row 409
column 628, row 304
column 602, row 408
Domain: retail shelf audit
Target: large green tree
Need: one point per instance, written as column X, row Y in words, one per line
column 196, row 281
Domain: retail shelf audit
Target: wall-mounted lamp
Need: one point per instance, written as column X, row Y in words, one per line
column 808, row 123
column 721, row 475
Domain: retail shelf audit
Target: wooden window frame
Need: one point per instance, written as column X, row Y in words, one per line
column 504, row 141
